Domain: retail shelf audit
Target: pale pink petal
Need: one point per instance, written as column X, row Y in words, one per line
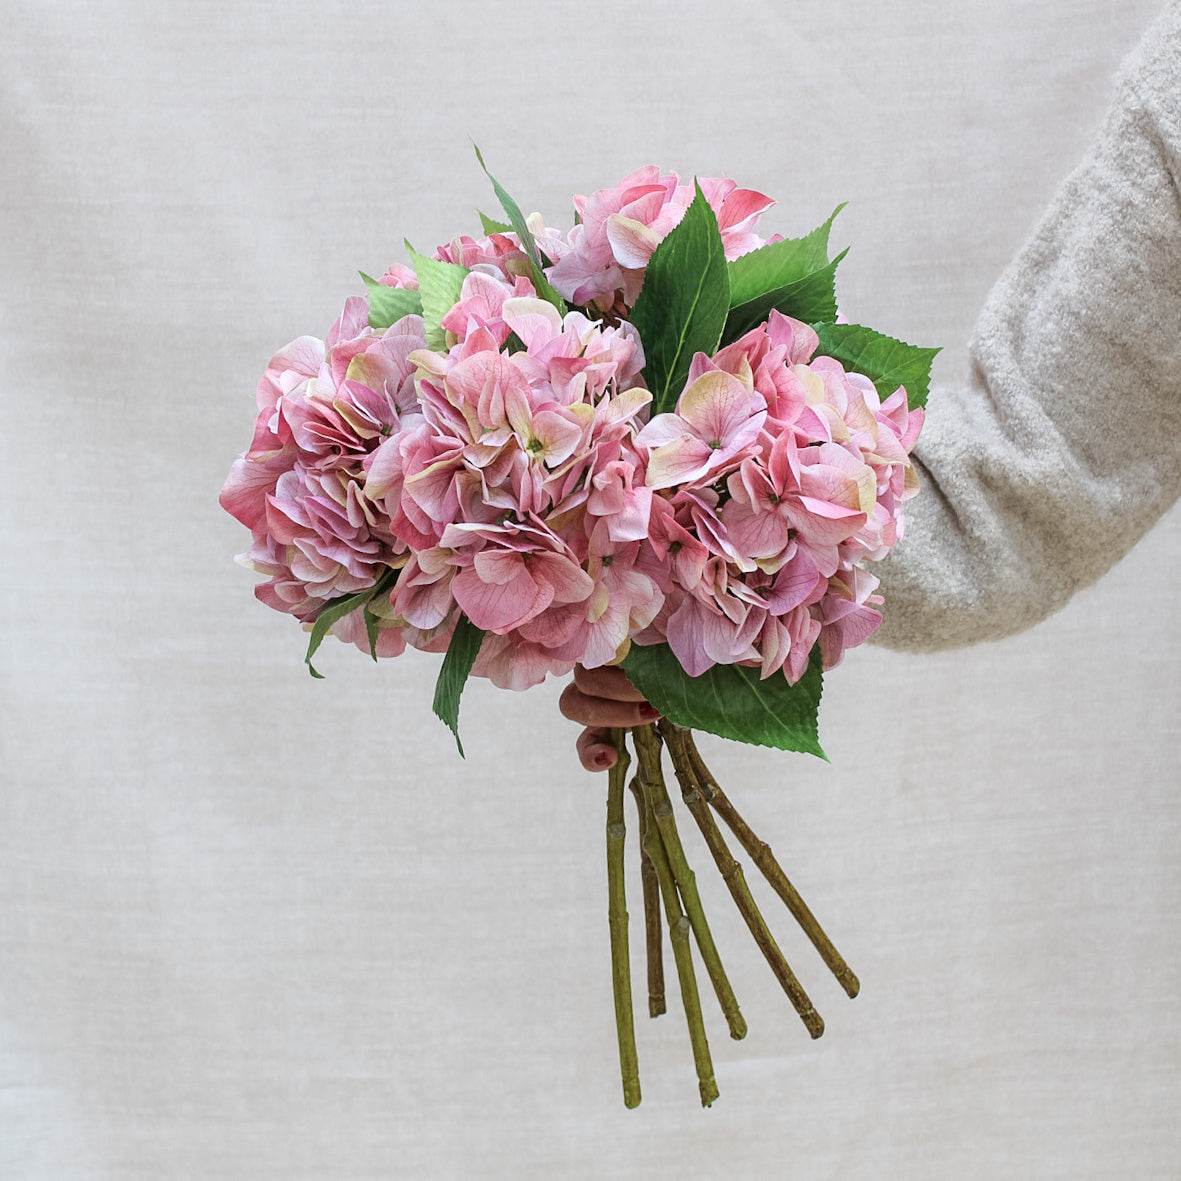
column 756, row 532
column 352, row 322
column 498, row 566
column 532, row 319
column 796, row 583
column 569, row 582
column 664, row 428
column 820, row 481
column 740, row 210
column 499, row 607
column 685, row 638
column 632, row 242
column 718, row 406
column 824, row 522
column 251, row 479
column 719, row 636
column 557, row 434
column 677, row 462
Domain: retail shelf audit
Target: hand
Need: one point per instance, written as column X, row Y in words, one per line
column 602, row 699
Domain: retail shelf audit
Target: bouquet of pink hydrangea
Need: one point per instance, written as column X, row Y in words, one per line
column 649, row 442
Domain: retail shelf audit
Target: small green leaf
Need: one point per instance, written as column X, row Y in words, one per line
column 520, row 227
column 332, row 611
column 372, row 620
column 337, row 609
column 779, row 264
column 729, row 699
column 494, row 227
column 440, row 284
column 810, row 299
column 887, row 362
column 372, row 629
column 682, row 306
column 550, row 294
column 387, row 305
column 513, row 212
column 453, row 675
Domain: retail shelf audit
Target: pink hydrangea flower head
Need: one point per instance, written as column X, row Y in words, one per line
column 324, row 408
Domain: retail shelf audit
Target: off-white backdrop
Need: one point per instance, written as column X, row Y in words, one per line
column 255, row 926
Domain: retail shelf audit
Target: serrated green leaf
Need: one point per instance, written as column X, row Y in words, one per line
column 453, row 675
column 440, row 285
column 779, row 264
column 729, row 699
column 810, row 299
column 887, row 362
column 521, row 228
column 682, row 306
column 387, row 305
column 493, row 227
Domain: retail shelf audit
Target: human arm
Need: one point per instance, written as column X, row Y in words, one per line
column 1064, row 446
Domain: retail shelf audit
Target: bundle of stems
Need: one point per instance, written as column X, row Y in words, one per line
column 669, row 884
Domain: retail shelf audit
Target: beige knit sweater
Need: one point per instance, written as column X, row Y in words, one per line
column 1064, row 447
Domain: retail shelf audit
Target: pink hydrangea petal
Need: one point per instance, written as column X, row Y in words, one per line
column 677, row 462
column 717, row 406
column 686, row 638
column 558, row 435
column 569, row 582
column 632, row 242
column 499, row 607
column 250, row 481
column 533, row 320
column 755, row 532
column 824, row 522
column 795, row 584
column 719, row 636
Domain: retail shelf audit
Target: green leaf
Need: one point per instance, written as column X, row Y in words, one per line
column 810, row 299
column 682, row 306
column 333, row 610
column 494, row 227
column 550, row 294
column 372, row 629
column 779, row 264
column 729, row 699
column 520, row 227
column 453, row 675
column 372, row 620
column 887, row 362
column 440, row 285
column 513, row 212
column 336, row 609
column 387, row 305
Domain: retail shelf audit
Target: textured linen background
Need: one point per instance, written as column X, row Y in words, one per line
column 256, row 926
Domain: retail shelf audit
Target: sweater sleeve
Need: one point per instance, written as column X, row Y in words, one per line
column 1064, row 446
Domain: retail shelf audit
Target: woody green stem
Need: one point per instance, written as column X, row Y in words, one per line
column 761, row 854
column 732, row 874
column 617, row 923
column 648, row 748
column 652, row 925
column 678, row 930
